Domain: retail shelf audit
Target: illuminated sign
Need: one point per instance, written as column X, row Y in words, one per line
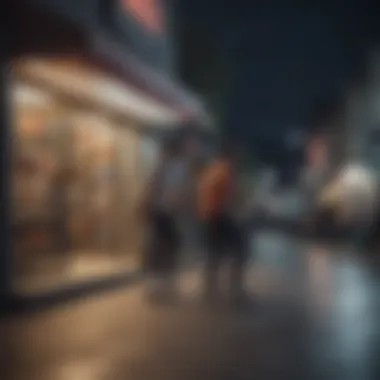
column 141, row 26
column 147, row 12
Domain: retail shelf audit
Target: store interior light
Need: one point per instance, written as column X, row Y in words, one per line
column 101, row 89
column 29, row 96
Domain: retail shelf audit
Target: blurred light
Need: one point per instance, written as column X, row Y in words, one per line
column 355, row 174
column 29, row 96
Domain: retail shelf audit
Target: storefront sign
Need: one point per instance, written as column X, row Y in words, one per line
column 142, row 26
column 139, row 25
column 147, row 12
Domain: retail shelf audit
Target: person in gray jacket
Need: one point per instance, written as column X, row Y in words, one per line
column 167, row 201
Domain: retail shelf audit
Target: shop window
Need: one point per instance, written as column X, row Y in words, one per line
column 71, row 193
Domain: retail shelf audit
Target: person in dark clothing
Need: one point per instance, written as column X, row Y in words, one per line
column 165, row 243
column 224, row 240
column 224, row 237
column 165, row 203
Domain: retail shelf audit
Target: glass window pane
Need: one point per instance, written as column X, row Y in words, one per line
column 75, row 181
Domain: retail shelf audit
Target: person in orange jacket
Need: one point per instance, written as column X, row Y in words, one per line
column 217, row 190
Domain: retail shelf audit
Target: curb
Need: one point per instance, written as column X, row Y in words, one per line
column 16, row 304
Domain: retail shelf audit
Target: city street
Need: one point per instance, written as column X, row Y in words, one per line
column 134, row 125
column 314, row 314
column 289, row 204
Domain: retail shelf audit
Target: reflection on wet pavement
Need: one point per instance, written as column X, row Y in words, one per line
column 344, row 297
column 313, row 315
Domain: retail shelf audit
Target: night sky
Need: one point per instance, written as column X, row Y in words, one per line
column 285, row 58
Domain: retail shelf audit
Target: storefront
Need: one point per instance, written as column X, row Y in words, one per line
column 81, row 152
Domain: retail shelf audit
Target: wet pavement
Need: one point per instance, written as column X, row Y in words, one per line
column 314, row 314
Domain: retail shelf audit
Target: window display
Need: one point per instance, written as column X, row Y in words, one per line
column 34, row 170
column 92, row 192
column 73, row 184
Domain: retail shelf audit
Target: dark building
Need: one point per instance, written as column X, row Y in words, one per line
column 202, row 64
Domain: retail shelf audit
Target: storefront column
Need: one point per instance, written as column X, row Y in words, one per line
column 5, row 152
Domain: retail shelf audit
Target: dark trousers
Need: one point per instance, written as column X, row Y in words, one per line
column 164, row 245
column 225, row 239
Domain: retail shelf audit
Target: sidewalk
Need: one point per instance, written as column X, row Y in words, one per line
column 52, row 281
column 189, row 279
column 284, row 335
column 120, row 336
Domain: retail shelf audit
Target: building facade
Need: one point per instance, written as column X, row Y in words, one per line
column 87, row 87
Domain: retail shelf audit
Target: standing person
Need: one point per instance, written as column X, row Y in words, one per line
column 223, row 235
column 164, row 204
